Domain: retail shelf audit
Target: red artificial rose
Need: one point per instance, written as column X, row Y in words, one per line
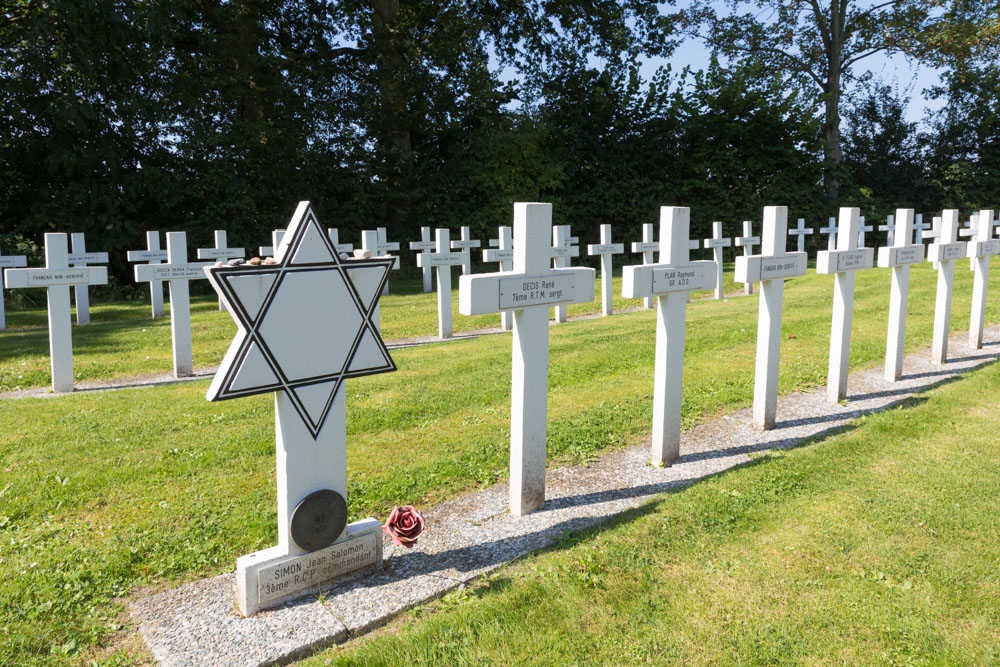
column 404, row 526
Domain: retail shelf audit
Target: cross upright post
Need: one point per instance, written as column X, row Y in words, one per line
column 770, row 268
column 501, row 251
column 669, row 280
column 425, row 245
column 530, row 290
column 801, row 231
column 80, row 258
column 747, row 242
column 890, row 229
column 465, row 243
column 899, row 255
column 152, row 255
column 831, row 234
column 606, row 249
column 716, row 243
column 221, row 253
column 57, row 276
column 8, row 262
column 443, row 259
column 980, row 249
column 843, row 262
column 334, row 234
column 943, row 253
column 648, row 247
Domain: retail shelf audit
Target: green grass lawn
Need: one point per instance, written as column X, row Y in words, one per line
column 104, row 492
column 879, row 545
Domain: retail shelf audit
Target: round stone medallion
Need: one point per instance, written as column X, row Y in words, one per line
column 319, row 519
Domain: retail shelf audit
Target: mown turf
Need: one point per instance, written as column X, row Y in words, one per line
column 879, row 545
column 104, row 492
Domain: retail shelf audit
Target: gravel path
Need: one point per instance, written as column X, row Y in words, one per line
column 195, row 624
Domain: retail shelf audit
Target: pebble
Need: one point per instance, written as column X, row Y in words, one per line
column 270, row 260
column 254, row 261
column 361, row 253
column 235, row 262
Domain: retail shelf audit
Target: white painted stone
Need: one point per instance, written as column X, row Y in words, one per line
column 268, row 250
column 152, row 255
column 605, row 249
column 831, row 234
column 177, row 272
column 8, row 262
column 80, row 258
column 943, row 253
column 529, row 291
column 843, row 262
column 562, row 250
column 771, row 267
column 334, row 234
column 669, row 281
column 504, row 255
column 980, row 249
column 221, row 253
column 648, row 247
column 717, row 243
column 800, row 232
column 426, row 244
column 899, row 255
column 304, row 327
column 443, row 259
column 465, row 243
column 56, row 277
column 747, row 242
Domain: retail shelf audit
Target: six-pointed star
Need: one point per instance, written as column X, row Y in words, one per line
column 305, row 323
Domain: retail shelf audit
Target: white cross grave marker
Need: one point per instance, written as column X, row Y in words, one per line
column 343, row 248
column 801, row 232
column 862, row 230
column 425, row 245
column 943, row 253
column 8, row 262
column 378, row 246
column 77, row 259
column 980, row 249
column 843, row 262
column 305, row 326
column 529, row 291
column 669, row 281
column 57, row 276
column 921, row 228
column 747, row 242
column 648, row 247
column 465, row 244
column 562, row 249
column 178, row 272
column 716, row 243
column 502, row 251
column 606, row 249
column 899, row 255
column 442, row 260
column 152, row 255
column 831, row 234
column 890, row 229
column 220, row 253
column 770, row 267
column 268, row 250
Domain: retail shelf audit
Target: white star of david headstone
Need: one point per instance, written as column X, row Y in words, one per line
column 305, row 322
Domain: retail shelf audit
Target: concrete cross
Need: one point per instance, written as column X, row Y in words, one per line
column 8, row 262
column 343, row 248
column 304, row 328
column 899, row 255
column 770, row 268
column 889, row 228
column 152, row 255
column 80, row 258
column 980, row 249
column 562, row 249
column 178, row 272
column 530, row 290
column 921, row 227
column 268, row 250
column 501, row 250
column 221, row 253
column 443, row 259
column 717, row 243
column 378, row 246
column 648, row 247
column 425, row 245
column 669, row 281
column 843, row 262
column 942, row 254
column 606, row 249
column 862, row 230
column 57, row 276
column 747, row 242
column 465, row 243
column 801, row 232
column 831, row 234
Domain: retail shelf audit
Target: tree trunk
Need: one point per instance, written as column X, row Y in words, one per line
column 393, row 128
column 831, row 147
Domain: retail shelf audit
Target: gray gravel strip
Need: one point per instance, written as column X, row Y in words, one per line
column 196, row 624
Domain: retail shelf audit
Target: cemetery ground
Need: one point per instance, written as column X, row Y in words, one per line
column 107, row 492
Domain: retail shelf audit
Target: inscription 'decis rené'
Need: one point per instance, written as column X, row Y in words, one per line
column 523, row 292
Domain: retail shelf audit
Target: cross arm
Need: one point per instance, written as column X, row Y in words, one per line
column 754, row 268
column 85, row 275
column 643, row 280
column 487, row 293
column 838, row 261
column 145, row 273
column 605, row 248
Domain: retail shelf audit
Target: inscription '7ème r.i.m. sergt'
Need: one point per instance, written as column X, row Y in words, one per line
column 522, row 292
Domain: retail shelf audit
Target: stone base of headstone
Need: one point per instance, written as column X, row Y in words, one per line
column 269, row 578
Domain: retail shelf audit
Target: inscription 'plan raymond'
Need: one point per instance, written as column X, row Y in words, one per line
column 675, row 280
column 521, row 292
column 310, row 570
